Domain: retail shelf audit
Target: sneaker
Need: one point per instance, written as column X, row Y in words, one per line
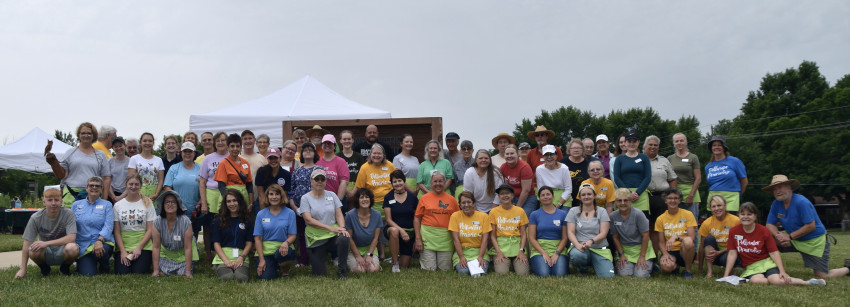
column 817, row 282
column 388, row 260
column 396, row 268
column 65, row 269
column 336, row 262
column 687, row 275
column 45, row 270
column 341, row 274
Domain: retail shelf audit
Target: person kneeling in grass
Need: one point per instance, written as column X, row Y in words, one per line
column 363, row 225
column 509, row 234
column 56, row 229
column 470, row 230
column 676, row 233
column 759, row 256
column 715, row 234
column 174, row 250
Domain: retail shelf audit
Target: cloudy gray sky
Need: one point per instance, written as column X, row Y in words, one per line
column 481, row 65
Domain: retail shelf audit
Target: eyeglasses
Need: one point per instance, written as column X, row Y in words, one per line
column 170, row 202
column 86, row 133
column 320, row 179
column 94, row 186
column 539, row 134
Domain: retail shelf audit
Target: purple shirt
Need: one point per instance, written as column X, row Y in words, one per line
column 606, row 159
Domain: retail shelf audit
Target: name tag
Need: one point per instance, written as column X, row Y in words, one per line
column 557, row 222
column 618, row 223
column 637, row 161
column 329, row 198
column 579, row 224
column 235, row 253
column 176, row 237
column 603, row 189
column 542, row 159
column 99, row 207
column 780, row 215
column 432, row 172
column 267, row 220
column 476, row 223
column 384, row 168
column 244, row 165
column 392, row 201
column 685, row 160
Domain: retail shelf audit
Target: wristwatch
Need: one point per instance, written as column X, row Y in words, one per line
column 370, row 254
column 522, row 249
column 102, row 240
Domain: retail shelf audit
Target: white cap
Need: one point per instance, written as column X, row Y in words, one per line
column 187, row 146
column 602, row 137
column 548, row 149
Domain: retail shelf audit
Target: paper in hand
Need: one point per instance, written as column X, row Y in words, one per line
column 474, row 267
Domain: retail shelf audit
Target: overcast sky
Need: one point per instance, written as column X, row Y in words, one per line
column 481, row 65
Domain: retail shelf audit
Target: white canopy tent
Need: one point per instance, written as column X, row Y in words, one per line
column 305, row 99
column 27, row 153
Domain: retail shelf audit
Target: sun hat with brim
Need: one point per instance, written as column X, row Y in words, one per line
column 718, row 138
column 160, row 202
column 510, row 138
column 504, row 186
column 541, row 128
column 315, row 128
column 781, row 179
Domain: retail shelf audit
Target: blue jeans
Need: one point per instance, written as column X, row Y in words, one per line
column 273, row 263
column 87, row 265
column 721, row 261
column 529, row 206
column 141, row 265
column 540, row 268
column 582, row 260
column 465, row 271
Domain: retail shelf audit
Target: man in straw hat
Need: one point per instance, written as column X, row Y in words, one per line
column 804, row 232
column 315, row 135
column 500, row 142
column 541, row 135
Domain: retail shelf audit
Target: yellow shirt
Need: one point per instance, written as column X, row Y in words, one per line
column 99, row 146
column 376, row 178
column 604, row 191
column 507, row 222
column 470, row 229
column 719, row 229
column 675, row 225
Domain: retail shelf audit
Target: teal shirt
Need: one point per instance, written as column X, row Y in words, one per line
column 425, row 168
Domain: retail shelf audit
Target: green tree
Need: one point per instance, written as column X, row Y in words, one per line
column 66, row 137
column 160, row 151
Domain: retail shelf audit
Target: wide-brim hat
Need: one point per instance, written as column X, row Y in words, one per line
column 316, row 128
column 160, row 201
column 541, row 128
column 718, row 138
column 781, row 179
column 510, row 138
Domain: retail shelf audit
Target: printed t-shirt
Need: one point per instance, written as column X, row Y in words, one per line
column 548, row 225
column 719, row 229
column 354, row 163
column 578, row 173
column 436, row 210
column 133, row 216
column 470, row 229
column 264, row 178
column 514, row 176
column 751, row 247
column 675, row 225
column 725, row 175
column 209, row 168
column 148, row 169
column 376, row 178
column 47, row 229
column 228, row 172
column 604, row 191
column 336, row 171
column 508, row 222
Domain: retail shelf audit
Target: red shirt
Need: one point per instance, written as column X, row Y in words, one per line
column 535, row 157
column 515, row 175
column 753, row 246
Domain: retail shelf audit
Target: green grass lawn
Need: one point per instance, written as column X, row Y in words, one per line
column 416, row 287
column 10, row 242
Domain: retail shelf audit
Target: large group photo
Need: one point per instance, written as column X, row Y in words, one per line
column 345, row 192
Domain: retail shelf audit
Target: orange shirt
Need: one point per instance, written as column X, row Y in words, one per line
column 436, row 210
column 227, row 173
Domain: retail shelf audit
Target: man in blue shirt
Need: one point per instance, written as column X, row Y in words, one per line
column 804, row 232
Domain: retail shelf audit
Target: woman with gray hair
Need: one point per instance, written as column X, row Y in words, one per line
column 434, row 161
column 662, row 178
column 465, row 162
column 688, row 172
column 430, row 224
column 174, row 250
column 263, row 142
column 94, row 229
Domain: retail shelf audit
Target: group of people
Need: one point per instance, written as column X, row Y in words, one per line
column 531, row 210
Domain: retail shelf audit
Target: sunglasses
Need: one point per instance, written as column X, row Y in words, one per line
column 539, row 134
column 94, row 186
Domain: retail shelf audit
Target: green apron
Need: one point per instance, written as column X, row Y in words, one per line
column 411, row 183
column 642, row 203
column 436, row 238
column 605, row 253
column 548, row 245
column 213, row 200
column 509, row 246
column 458, row 190
column 243, row 190
column 733, row 199
column 148, row 190
column 133, row 238
column 228, row 251
column 363, row 250
column 814, row 247
column 633, row 252
column 68, row 198
column 686, row 189
column 557, row 198
column 468, row 252
column 758, row 267
column 270, row 247
column 91, row 247
column 179, row 255
column 314, row 236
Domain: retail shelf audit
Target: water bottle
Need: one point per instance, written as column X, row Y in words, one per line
column 18, row 203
